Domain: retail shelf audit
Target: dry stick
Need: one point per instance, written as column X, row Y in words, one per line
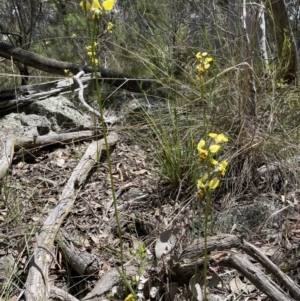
column 256, row 276
column 80, row 95
column 37, row 285
column 7, row 156
column 111, row 119
column 108, row 280
column 10, row 145
column 272, row 268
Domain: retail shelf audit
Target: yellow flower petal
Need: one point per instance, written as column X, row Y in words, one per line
column 199, row 56
column 214, row 183
column 204, row 178
column 221, row 138
column 96, row 5
column 206, row 66
column 204, row 53
column 208, row 60
column 200, row 145
column 214, row 148
column 130, row 297
column 213, row 161
column 200, row 184
column 108, row 4
column 223, row 164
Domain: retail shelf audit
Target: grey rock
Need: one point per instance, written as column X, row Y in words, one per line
column 21, row 125
column 44, row 117
column 61, row 112
column 261, row 216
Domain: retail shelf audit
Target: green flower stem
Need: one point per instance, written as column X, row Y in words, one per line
column 95, row 71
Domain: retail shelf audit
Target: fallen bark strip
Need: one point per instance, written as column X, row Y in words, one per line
column 256, row 276
column 37, row 284
column 57, row 67
column 10, row 145
column 272, row 268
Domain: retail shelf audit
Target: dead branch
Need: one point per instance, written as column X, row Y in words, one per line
column 37, row 285
column 256, row 276
column 214, row 243
column 25, row 95
column 10, row 145
column 83, row 263
column 43, row 63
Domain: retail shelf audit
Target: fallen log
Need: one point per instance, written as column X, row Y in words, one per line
column 37, row 284
column 9, row 146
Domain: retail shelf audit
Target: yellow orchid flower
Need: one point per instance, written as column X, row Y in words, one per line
column 201, row 188
column 222, row 168
column 199, row 56
column 203, row 152
column 110, row 26
column 219, row 138
column 130, row 297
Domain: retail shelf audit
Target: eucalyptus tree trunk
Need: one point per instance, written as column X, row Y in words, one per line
column 286, row 46
column 262, row 37
column 248, row 21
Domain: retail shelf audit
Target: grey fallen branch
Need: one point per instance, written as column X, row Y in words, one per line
column 37, row 284
column 83, row 263
column 11, row 99
column 49, row 65
column 10, row 145
column 272, row 268
column 193, row 256
column 59, row 294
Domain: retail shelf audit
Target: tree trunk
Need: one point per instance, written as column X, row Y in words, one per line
column 286, row 46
